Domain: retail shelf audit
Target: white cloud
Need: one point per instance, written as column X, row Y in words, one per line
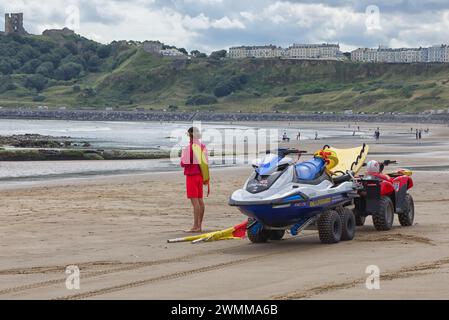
column 249, row 16
column 201, row 22
column 215, row 24
column 204, row 2
column 226, row 23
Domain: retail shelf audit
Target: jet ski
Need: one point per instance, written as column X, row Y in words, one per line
column 283, row 194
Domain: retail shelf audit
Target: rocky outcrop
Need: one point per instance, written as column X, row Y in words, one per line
column 34, row 141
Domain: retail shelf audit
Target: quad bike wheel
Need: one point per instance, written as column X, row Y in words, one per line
column 348, row 224
column 329, row 227
column 359, row 218
column 260, row 236
column 407, row 217
column 276, row 234
column 383, row 220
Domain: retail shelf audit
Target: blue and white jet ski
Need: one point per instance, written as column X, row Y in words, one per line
column 284, row 195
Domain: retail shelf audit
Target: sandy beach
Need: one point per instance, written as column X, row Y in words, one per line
column 115, row 229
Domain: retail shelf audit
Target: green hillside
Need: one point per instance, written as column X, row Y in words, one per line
column 71, row 71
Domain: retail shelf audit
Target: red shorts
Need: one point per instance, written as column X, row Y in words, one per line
column 194, row 186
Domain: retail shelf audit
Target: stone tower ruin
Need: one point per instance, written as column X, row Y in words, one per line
column 14, row 23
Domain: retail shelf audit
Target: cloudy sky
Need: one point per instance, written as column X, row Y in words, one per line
column 215, row 24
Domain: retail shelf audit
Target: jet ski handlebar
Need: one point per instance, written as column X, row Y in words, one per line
column 285, row 152
column 388, row 162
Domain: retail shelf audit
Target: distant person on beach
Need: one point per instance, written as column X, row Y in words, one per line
column 316, row 135
column 377, row 134
column 420, row 134
column 285, row 138
column 417, row 134
column 298, row 137
column 192, row 159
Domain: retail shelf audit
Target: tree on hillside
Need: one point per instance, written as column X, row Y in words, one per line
column 184, row 51
column 233, row 84
column 6, row 68
column 46, row 69
column 71, row 46
column 93, row 64
column 217, row 55
column 104, row 51
column 68, row 71
column 30, row 66
column 50, row 57
column 27, row 52
column 61, row 52
column 198, row 54
column 36, row 81
column 6, row 84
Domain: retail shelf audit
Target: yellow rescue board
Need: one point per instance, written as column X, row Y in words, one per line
column 346, row 158
column 201, row 157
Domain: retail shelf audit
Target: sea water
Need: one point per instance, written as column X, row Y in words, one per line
column 143, row 136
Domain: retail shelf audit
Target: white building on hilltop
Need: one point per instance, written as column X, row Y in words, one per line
column 323, row 51
column 171, row 53
column 296, row 51
column 438, row 54
column 402, row 55
column 269, row 51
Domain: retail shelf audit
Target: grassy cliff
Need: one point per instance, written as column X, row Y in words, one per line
column 85, row 74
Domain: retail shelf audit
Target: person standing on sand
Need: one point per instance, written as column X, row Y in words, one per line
column 194, row 178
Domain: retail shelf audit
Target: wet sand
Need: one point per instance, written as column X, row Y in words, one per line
column 115, row 230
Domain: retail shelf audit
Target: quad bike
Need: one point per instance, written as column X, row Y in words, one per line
column 382, row 195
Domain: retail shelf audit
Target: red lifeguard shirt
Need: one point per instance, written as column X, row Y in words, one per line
column 188, row 161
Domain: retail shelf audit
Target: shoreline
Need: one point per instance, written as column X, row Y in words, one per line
column 18, row 173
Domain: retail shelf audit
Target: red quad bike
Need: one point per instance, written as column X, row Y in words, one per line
column 382, row 195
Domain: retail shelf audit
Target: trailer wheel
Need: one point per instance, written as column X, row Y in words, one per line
column 257, row 234
column 277, row 234
column 408, row 216
column 347, row 224
column 359, row 218
column 383, row 220
column 329, row 227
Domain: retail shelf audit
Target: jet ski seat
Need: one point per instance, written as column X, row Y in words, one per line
column 310, row 170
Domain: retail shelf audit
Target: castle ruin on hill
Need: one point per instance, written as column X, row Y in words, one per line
column 14, row 24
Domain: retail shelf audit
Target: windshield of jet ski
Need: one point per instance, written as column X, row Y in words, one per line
column 266, row 174
column 269, row 165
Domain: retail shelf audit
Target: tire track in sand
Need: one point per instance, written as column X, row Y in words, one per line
column 403, row 273
column 181, row 274
column 129, row 267
column 139, row 265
